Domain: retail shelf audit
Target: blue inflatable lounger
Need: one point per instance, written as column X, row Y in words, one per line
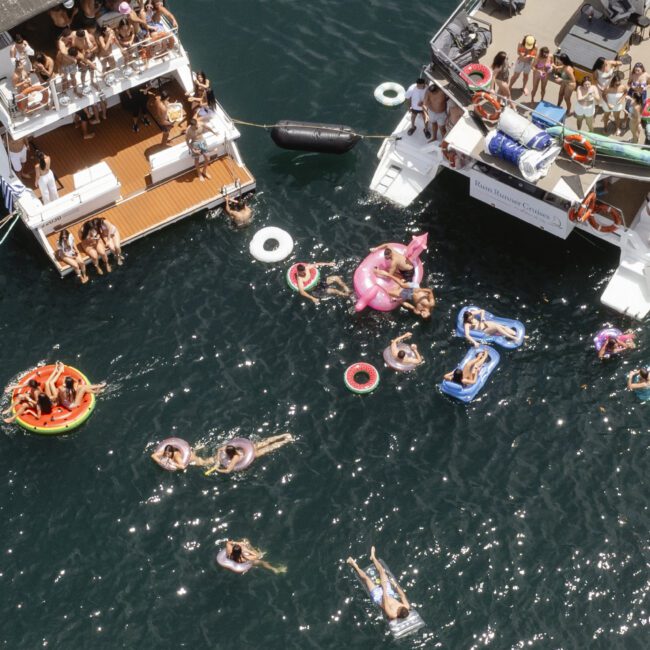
column 503, row 341
column 468, row 393
column 400, row 627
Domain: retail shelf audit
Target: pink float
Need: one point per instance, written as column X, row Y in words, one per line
column 371, row 290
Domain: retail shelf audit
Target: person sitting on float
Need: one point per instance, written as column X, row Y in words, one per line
column 72, row 393
column 233, row 455
column 474, row 319
column 468, row 374
column 383, row 594
column 35, row 401
column 243, row 551
column 414, row 359
column 303, row 274
column 175, row 455
column 617, row 344
column 420, row 300
column 397, row 263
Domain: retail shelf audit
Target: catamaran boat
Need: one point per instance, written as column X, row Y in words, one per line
column 531, row 162
column 126, row 176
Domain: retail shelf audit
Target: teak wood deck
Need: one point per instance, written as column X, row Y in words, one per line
column 144, row 207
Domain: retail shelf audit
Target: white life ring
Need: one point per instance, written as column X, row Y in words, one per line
column 390, row 86
column 271, row 233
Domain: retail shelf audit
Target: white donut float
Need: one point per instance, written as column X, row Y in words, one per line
column 267, row 235
column 389, row 100
column 236, row 567
column 182, row 446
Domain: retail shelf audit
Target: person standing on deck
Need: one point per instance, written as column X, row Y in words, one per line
column 158, row 107
column 416, row 93
column 195, row 138
column 435, row 106
column 18, row 156
column 45, row 178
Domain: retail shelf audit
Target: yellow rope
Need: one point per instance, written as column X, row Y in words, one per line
column 270, row 126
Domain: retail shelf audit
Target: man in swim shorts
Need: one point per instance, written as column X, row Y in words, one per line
column 388, row 594
column 195, row 138
column 396, row 262
column 415, row 94
column 303, row 272
column 18, row 156
column 435, row 104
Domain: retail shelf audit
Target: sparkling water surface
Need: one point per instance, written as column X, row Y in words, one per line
column 517, row 521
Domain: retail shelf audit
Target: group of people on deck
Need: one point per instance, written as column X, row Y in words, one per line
column 605, row 89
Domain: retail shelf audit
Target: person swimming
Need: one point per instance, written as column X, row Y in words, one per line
column 388, row 594
column 475, row 320
column 617, row 344
column 644, row 379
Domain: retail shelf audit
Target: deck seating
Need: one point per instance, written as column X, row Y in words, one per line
column 174, row 160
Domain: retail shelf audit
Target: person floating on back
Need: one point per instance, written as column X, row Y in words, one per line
column 384, row 593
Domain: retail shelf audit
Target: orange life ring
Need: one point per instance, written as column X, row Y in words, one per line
column 608, row 211
column 478, row 100
column 584, row 158
column 448, row 153
column 23, row 102
column 584, row 210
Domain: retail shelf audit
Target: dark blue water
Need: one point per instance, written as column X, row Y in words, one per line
column 519, row 520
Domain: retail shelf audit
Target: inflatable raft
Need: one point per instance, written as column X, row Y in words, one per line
column 399, row 627
column 503, row 341
column 607, row 146
column 468, row 393
column 60, row 420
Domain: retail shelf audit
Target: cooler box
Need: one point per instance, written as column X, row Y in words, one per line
column 545, row 110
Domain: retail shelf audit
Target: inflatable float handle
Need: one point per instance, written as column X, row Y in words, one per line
column 417, row 245
column 365, row 299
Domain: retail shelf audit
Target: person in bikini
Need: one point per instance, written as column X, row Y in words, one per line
column 617, row 344
column 175, row 456
column 68, row 253
column 414, row 359
column 234, row 455
column 92, row 245
column 110, row 237
column 36, row 402
column 420, row 300
column 243, row 551
column 542, row 70
column 388, row 594
column 468, row 374
column 435, row 104
column 474, row 319
column 72, row 393
column 303, row 273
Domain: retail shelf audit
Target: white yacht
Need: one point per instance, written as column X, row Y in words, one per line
column 605, row 195
column 127, row 176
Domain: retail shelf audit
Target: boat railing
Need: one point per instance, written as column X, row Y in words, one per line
column 132, row 61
